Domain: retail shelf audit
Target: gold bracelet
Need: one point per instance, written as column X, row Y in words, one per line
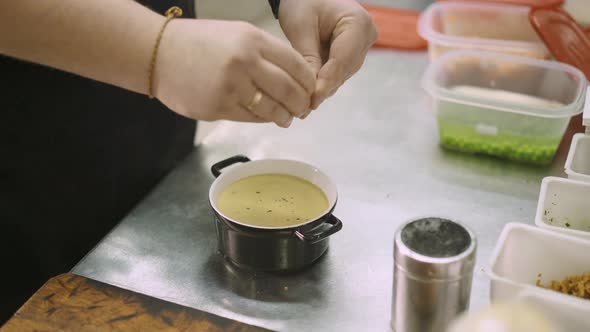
column 171, row 14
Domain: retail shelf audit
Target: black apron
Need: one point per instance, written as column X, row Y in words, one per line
column 76, row 156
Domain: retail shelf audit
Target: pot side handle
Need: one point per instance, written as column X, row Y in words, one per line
column 314, row 236
column 217, row 167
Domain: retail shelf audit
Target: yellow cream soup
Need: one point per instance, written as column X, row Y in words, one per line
column 272, row 200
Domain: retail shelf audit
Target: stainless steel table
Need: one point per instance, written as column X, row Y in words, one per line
column 378, row 140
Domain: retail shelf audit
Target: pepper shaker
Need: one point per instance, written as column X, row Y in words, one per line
column 434, row 260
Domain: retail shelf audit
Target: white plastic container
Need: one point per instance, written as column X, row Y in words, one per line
column 564, row 206
column 480, row 26
column 525, row 254
column 511, row 316
column 577, row 165
column 564, row 314
column 504, row 126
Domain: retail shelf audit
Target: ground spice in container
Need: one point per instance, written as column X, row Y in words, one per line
column 576, row 285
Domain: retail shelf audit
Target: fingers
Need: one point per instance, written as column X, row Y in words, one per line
column 270, row 110
column 241, row 114
column 293, row 63
column 266, row 111
column 266, row 108
column 281, row 87
column 306, row 40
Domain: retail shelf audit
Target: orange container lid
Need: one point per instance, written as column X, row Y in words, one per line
column 397, row 28
column 530, row 3
column 566, row 40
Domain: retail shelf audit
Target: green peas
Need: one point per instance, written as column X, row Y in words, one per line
column 528, row 149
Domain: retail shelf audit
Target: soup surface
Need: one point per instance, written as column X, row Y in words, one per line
column 272, row 200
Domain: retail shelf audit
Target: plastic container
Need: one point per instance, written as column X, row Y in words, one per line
column 530, row 3
column 510, row 316
column 565, row 314
column 577, row 165
column 525, row 254
column 480, row 26
column 564, row 206
column 505, row 127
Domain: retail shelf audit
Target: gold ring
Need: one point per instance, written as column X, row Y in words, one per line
column 255, row 100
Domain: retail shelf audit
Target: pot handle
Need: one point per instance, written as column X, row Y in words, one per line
column 314, row 236
column 217, row 167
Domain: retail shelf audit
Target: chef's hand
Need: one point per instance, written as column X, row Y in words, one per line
column 334, row 36
column 212, row 70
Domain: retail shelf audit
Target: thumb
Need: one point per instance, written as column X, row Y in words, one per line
column 347, row 54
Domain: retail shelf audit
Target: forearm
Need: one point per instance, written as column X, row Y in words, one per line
column 106, row 40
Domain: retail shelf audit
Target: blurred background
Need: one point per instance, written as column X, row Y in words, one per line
column 258, row 13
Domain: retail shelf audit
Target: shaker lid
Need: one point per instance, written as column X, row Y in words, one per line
column 435, row 249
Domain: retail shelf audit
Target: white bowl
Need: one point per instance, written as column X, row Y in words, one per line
column 524, row 252
column 564, row 206
column 242, row 167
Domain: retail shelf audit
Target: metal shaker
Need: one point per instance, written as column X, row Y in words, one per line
column 434, row 260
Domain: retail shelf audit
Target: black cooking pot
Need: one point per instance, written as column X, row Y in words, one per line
column 272, row 248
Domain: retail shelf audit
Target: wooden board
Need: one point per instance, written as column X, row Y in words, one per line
column 72, row 303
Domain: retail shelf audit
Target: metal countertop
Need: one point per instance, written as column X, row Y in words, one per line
column 378, row 140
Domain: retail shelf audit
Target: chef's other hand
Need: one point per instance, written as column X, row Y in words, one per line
column 334, row 36
column 212, row 70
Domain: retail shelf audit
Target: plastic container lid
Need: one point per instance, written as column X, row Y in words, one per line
column 397, row 28
column 530, row 3
column 566, row 40
column 492, row 60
